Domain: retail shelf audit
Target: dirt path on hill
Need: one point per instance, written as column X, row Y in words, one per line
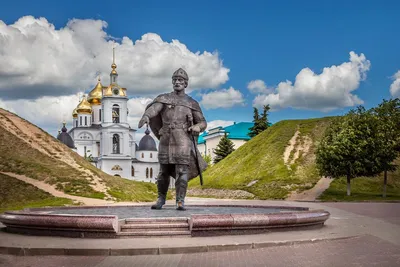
column 290, row 147
column 51, row 190
column 296, row 145
column 313, row 193
column 38, row 139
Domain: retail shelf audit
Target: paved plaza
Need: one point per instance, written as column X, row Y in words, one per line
column 356, row 234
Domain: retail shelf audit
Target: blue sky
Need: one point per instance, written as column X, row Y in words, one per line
column 270, row 41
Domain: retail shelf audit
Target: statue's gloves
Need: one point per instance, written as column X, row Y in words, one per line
column 195, row 129
column 144, row 120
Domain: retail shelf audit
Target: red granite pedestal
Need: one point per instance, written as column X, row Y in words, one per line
column 223, row 221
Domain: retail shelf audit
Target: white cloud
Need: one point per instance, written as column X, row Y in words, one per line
column 331, row 89
column 49, row 112
column 40, row 60
column 43, row 111
column 224, row 98
column 136, row 107
column 258, row 86
column 395, row 86
column 216, row 123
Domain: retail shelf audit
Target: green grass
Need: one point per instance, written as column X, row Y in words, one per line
column 261, row 159
column 17, row 195
column 37, row 165
column 364, row 188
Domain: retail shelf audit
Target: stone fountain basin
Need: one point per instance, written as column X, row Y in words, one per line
column 202, row 220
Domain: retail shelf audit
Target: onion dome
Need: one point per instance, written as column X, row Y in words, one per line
column 74, row 113
column 96, row 94
column 65, row 138
column 84, row 107
column 147, row 143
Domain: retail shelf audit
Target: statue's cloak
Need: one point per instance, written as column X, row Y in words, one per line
column 156, row 123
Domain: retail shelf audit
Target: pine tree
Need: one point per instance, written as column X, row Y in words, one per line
column 256, row 117
column 224, row 148
column 260, row 123
column 263, row 124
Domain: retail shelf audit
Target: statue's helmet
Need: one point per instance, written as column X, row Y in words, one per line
column 180, row 73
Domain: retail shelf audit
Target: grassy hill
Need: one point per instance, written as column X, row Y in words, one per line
column 259, row 167
column 27, row 150
column 15, row 194
column 279, row 161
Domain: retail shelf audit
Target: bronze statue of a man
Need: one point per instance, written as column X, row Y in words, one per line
column 174, row 119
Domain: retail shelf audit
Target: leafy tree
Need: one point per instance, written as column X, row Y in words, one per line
column 260, row 122
column 223, row 149
column 349, row 147
column 387, row 117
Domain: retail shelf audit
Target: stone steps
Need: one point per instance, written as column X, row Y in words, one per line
column 156, row 220
column 160, row 233
column 155, row 226
column 147, row 227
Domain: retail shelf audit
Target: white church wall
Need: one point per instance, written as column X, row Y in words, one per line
column 107, row 141
column 147, row 156
column 110, row 166
column 140, row 171
column 132, row 145
column 107, row 105
column 95, row 114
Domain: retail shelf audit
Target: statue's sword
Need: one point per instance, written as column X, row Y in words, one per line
column 190, row 119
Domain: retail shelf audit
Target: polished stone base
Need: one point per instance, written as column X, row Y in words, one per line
column 141, row 221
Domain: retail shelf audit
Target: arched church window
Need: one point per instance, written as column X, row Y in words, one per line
column 99, row 114
column 151, row 155
column 151, row 172
column 85, row 120
column 147, row 172
column 142, row 155
column 115, row 144
column 132, row 171
column 115, row 113
column 80, row 121
column 76, row 123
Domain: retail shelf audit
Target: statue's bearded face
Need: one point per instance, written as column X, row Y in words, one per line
column 179, row 83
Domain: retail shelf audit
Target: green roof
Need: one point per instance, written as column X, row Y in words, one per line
column 235, row 131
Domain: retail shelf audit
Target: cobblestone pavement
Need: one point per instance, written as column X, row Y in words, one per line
column 360, row 251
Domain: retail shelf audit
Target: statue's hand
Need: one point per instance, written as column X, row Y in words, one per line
column 144, row 120
column 195, row 129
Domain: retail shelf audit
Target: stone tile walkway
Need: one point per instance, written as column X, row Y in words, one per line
column 375, row 225
column 360, row 251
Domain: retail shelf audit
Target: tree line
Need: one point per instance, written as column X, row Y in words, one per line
column 361, row 143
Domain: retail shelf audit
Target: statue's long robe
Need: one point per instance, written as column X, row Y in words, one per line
column 170, row 117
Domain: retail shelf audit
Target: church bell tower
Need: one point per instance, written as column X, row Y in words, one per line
column 115, row 140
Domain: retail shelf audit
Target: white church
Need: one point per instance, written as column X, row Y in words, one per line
column 101, row 133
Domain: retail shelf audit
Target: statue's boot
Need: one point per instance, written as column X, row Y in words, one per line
column 162, row 187
column 181, row 186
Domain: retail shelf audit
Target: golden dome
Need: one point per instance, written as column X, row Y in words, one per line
column 96, row 94
column 84, row 107
column 74, row 113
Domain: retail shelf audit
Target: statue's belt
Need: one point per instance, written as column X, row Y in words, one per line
column 174, row 125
